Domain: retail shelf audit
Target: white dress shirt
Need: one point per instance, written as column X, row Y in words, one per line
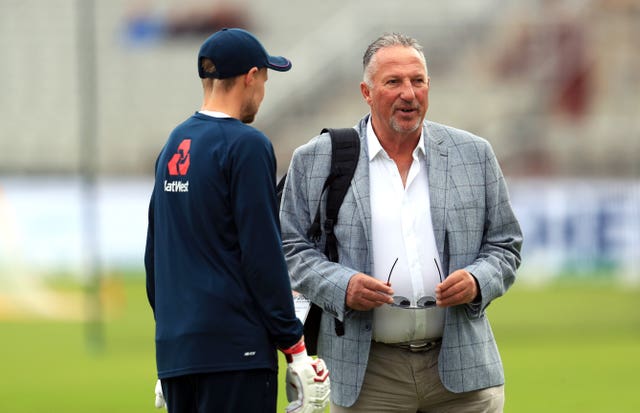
column 402, row 229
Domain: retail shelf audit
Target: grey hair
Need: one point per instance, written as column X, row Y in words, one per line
column 387, row 40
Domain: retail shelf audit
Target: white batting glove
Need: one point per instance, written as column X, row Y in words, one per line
column 307, row 381
column 160, row 403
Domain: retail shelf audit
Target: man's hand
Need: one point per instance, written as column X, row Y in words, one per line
column 307, row 381
column 460, row 287
column 160, row 403
column 365, row 293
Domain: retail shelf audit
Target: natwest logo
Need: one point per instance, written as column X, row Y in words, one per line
column 180, row 161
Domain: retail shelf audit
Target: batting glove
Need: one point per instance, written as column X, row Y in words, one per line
column 160, row 403
column 307, row 381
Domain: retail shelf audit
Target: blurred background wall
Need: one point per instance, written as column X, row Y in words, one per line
column 91, row 89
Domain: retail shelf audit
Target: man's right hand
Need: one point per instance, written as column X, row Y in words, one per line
column 365, row 293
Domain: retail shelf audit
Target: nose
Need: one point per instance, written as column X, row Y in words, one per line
column 407, row 93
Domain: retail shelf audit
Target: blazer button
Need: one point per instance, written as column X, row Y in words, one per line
column 367, row 327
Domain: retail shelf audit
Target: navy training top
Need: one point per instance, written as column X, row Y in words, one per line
column 217, row 280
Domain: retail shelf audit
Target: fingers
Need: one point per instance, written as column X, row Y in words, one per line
column 365, row 293
column 458, row 288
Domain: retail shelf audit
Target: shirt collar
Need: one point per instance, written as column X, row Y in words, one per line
column 214, row 114
column 374, row 147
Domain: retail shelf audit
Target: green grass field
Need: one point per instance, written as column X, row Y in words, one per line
column 567, row 347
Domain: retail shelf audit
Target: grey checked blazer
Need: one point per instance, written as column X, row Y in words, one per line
column 475, row 229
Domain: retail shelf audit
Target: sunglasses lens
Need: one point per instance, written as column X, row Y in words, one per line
column 401, row 301
column 404, row 302
column 426, row 302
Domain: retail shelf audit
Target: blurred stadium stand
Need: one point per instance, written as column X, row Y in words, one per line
column 554, row 85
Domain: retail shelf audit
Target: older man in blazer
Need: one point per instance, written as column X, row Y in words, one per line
column 427, row 239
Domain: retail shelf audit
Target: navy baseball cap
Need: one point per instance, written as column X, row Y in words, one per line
column 234, row 52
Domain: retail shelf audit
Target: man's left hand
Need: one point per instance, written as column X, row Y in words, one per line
column 460, row 287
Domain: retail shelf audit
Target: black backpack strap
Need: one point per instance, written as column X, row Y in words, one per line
column 345, row 151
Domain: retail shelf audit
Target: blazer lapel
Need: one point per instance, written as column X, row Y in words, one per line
column 437, row 163
column 360, row 186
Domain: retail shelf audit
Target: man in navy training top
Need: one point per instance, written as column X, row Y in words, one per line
column 216, row 277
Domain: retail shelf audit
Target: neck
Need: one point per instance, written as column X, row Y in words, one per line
column 218, row 100
column 396, row 144
column 215, row 105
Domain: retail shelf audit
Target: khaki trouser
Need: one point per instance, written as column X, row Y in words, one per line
column 399, row 381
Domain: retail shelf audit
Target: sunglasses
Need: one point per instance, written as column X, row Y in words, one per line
column 423, row 302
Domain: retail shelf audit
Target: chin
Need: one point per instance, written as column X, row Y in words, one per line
column 404, row 128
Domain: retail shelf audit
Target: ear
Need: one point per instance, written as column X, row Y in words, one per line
column 366, row 92
column 250, row 77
